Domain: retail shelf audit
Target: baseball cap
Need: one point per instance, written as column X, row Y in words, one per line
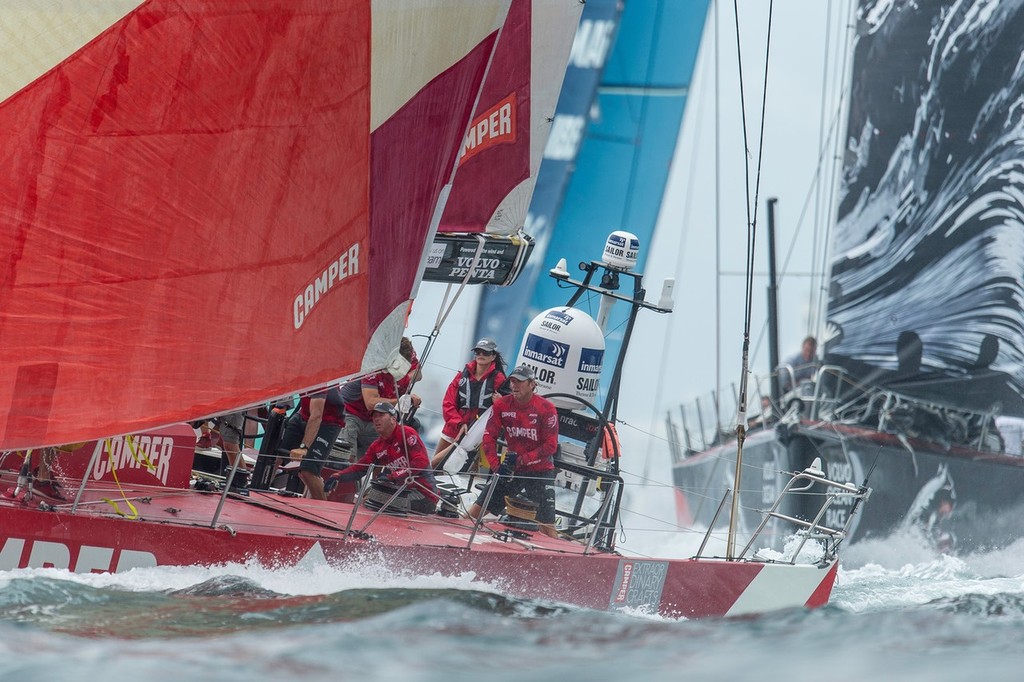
column 386, row 408
column 486, row 345
column 523, row 373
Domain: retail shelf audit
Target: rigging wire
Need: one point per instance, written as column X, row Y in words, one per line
column 812, row 322
column 445, row 309
column 751, row 242
column 751, row 202
column 817, row 274
column 842, row 107
column 718, row 217
column 668, row 342
column 824, row 171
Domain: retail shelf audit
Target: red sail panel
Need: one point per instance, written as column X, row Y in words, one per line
column 503, row 147
column 403, row 150
column 496, row 152
column 186, row 214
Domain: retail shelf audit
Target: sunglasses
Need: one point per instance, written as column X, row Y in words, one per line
column 483, row 352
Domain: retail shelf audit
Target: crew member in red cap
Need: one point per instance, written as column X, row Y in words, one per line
column 530, row 423
column 469, row 394
column 400, row 453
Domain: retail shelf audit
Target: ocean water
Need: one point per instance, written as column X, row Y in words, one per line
column 899, row 611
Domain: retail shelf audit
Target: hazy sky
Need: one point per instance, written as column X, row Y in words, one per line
column 802, row 79
column 678, row 357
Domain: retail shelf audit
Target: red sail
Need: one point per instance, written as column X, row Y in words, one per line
column 503, row 148
column 214, row 202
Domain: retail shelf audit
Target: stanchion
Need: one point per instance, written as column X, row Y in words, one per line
column 266, row 461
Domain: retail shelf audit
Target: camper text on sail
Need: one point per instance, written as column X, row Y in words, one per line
column 339, row 268
column 497, row 125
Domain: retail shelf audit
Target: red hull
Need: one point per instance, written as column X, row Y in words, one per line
column 174, row 528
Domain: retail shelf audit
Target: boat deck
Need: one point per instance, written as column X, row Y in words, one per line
column 262, row 513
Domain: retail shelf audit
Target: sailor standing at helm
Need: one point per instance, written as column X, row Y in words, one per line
column 800, row 367
column 469, row 394
column 530, row 423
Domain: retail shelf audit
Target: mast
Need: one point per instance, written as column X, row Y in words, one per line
column 773, row 305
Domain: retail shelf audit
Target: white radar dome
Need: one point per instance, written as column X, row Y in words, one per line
column 565, row 347
column 621, row 250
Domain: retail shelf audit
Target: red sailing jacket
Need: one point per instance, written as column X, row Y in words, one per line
column 400, row 454
column 466, row 397
column 530, row 430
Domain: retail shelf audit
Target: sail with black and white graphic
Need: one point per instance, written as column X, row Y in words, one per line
column 921, row 385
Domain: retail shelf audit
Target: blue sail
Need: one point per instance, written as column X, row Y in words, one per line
column 619, row 175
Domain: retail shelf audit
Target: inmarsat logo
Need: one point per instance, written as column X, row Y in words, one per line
column 617, row 246
column 546, row 351
column 591, row 360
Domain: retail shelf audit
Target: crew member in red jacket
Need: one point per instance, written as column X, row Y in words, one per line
column 530, row 423
column 400, row 453
column 469, row 394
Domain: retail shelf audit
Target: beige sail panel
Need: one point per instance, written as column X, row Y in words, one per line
column 36, row 35
column 414, row 42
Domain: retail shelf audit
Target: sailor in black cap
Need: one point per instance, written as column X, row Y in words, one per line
column 400, row 453
column 469, row 395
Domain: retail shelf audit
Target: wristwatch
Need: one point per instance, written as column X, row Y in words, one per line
column 304, row 447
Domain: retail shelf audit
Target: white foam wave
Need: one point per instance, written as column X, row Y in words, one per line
column 904, row 571
column 293, row 581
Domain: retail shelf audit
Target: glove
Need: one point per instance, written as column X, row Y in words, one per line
column 331, row 483
column 509, row 464
column 396, row 477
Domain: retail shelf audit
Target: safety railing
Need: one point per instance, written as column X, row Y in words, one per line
column 802, row 483
column 832, row 396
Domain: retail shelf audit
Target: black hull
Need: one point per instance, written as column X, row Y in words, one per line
column 960, row 499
